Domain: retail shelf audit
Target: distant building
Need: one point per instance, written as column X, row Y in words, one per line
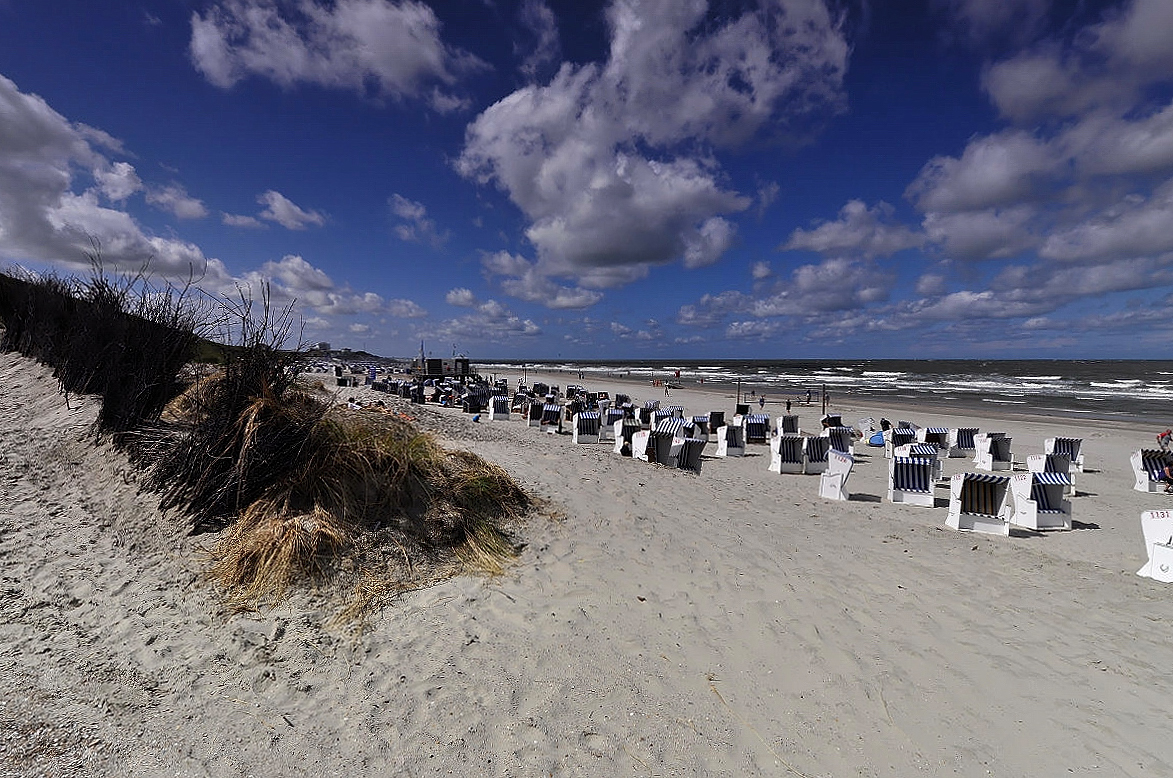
column 323, row 346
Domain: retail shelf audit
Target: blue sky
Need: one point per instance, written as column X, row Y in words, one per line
column 659, row 179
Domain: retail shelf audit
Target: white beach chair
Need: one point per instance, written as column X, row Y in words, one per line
column 1072, row 447
column 992, row 451
column 1038, row 501
column 624, row 431
column 833, row 480
column 757, row 428
column 788, row 425
column 979, row 502
column 1157, row 527
column 551, row 417
column 731, row 441
column 897, row 437
column 1052, row 463
column 609, row 417
column 641, row 446
column 499, row 408
column 586, row 427
column 910, row 480
column 938, row 436
column 815, row 454
column 841, row 439
column 1147, row 464
column 923, row 451
column 786, row 454
column 533, row 414
column 961, row 442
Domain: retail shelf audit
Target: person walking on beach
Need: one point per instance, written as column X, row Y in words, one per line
column 808, row 396
column 788, row 405
column 762, row 402
column 1164, row 439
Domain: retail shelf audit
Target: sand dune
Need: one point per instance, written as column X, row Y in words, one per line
column 731, row 623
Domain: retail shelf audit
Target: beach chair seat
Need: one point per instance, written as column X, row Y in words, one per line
column 787, row 454
column 689, row 457
column 961, row 442
column 499, row 408
column 788, row 425
column 1147, row 464
column 815, row 454
column 938, row 436
column 897, row 437
column 992, row 451
column 730, row 441
column 1072, row 447
column 1157, row 528
column 716, row 419
column 833, row 480
column 624, row 431
column 1038, row 500
column 910, row 480
column 979, row 502
column 841, row 438
column 757, row 428
column 586, row 427
column 831, row 420
column 923, row 451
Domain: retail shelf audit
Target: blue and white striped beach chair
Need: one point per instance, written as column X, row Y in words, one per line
column 1052, row 463
column 923, row 451
column 689, row 457
column 625, row 430
column 533, row 413
column 1038, row 501
column 610, row 416
column 551, row 416
column 700, row 428
column 499, row 408
column 676, row 410
column 665, row 442
column 1147, row 464
column 757, row 428
column 897, row 437
column 786, row 454
column 961, row 442
column 979, row 503
column 815, row 454
column 910, row 480
column 788, row 425
column 938, row 436
column 586, row 427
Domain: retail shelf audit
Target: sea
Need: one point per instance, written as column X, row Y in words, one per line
column 1129, row 390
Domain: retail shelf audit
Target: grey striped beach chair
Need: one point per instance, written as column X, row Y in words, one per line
column 586, row 427
column 910, row 481
column 961, row 442
column 815, row 454
column 992, row 451
column 787, row 454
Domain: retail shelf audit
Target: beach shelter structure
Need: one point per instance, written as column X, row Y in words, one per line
column 841, row 439
column 833, row 480
column 609, row 417
column 1157, row 527
column 689, row 457
column 938, row 436
column 534, row 413
column 979, row 502
column 1052, row 463
column 586, row 427
column 815, row 453
column 1072, row 447
column 788, row 425
column 787, row 454
column 624, row 431
column 1147, row 464
column 897, row 437
column 716, row 419
column 757, row 428
column 1038, row 501
column 676, row 411
column 730, row 440
column 700, row 428
column 923, row 451
column 910, row 480
column 551, row 416
column 499, row 407
column 831, row 420
column 992, row 451
column 961, row 442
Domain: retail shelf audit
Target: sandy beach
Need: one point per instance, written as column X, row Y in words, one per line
column 730, row 623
